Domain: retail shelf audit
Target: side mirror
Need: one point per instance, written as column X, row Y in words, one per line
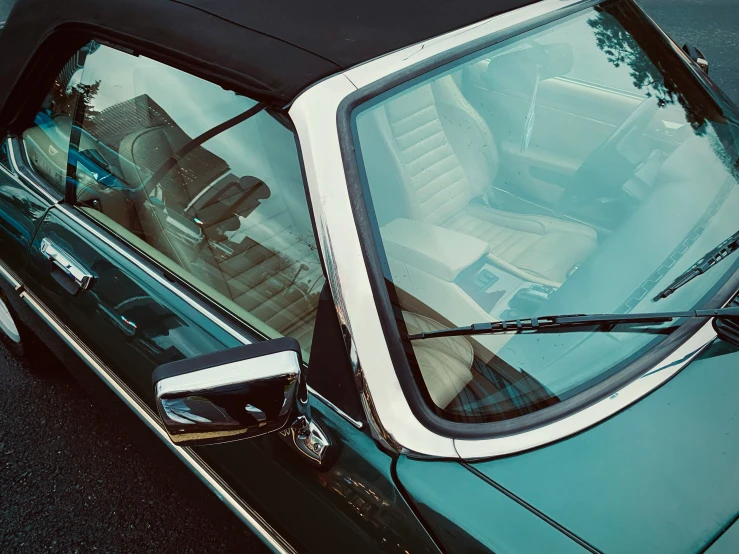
column 237, row 394
column 697, row 56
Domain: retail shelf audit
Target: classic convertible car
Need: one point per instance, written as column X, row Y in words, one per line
column 402, row 277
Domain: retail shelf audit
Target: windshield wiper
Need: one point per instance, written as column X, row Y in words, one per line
column 708, row 260
column 563, row 322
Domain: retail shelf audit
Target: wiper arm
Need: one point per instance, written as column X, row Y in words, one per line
column 708, row 260
column 555, row 322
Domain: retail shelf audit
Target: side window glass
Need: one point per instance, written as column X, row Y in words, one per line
column 46, row 142
column 205, row 181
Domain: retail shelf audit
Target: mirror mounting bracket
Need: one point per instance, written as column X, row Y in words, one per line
column 307, row 437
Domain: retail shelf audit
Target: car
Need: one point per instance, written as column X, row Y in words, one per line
column 398, row 277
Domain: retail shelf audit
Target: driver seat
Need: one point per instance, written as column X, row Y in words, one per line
column 445, row 158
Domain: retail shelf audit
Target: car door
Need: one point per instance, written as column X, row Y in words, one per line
column 25, row 196
column 177, row 241
column 22, row 207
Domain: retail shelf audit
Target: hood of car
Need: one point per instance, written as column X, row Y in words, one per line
column 661, row 476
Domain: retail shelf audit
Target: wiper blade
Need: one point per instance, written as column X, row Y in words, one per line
column 555, row 322
column 708, row 260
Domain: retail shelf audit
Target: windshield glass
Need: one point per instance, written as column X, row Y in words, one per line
column 576, row 168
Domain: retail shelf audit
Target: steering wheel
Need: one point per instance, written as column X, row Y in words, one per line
column 605, row 170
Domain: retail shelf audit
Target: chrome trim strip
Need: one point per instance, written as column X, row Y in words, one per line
column 10, row 174
column 10, row 276
column 247, row 515
column 207, row 313
column 391, row 421
column 5, row 169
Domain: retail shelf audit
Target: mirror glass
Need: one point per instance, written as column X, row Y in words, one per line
column 230, row 395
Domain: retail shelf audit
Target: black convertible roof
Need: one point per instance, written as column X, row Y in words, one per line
column 272, row 48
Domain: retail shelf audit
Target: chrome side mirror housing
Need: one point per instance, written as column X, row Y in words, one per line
column 237, row 394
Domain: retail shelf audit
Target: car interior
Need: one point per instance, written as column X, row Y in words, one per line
column 493, row 184
column 247, row 240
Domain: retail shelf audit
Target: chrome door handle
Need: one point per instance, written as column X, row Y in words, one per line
column 63, row 261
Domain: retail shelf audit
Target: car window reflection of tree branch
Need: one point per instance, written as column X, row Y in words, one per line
column 631, row 39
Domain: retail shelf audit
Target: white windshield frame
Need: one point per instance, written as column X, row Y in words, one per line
column 389, row 413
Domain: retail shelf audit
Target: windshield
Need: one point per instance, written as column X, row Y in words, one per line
column 577, row 168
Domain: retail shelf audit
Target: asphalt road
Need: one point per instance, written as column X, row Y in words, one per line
column 710, row 25
column 73, row 480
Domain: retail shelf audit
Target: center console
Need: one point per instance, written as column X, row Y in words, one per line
column 452, row 273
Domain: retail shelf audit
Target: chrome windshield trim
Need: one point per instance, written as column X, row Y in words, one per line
column 243, row 511
column 391, row 420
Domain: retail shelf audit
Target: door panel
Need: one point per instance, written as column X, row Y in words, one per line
column 134, row 323
column 200, row 191
column 352, row 506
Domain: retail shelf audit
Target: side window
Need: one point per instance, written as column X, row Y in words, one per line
column 47, row 141
column 203, row 180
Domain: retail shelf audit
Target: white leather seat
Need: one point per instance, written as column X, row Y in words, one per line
column 259, row 255
column 446, row 161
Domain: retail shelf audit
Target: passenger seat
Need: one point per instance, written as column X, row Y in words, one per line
column 446, row 161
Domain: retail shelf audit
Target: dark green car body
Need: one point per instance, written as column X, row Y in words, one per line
column 357, row 501
column 661, row 475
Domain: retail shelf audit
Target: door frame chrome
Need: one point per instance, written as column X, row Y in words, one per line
column 28, row 181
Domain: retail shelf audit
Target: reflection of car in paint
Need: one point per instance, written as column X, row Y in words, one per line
column 463, row 284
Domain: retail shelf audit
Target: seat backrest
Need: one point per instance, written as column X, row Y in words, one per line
column 441, row 148
column 161, row 207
